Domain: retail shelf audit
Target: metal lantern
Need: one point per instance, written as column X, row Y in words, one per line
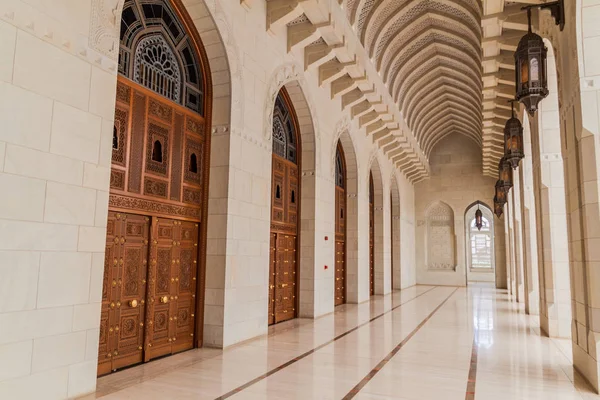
column 499, row 199
column 498, row 208
column 500, row 196
column 531, row 60
column 478, row 218
column 505, row 174
column 513, row 140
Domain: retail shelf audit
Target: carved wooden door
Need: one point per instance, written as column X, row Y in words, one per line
column 371, row 237
column 272, row 263
column 171, row 287
column 185, row 286
column 124, row 292
column 340, row 229
column 285, row 206
column 283, row 258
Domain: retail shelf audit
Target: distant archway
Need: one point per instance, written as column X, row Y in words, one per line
column 480, row 249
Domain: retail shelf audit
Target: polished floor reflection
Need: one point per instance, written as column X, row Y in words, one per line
column 424, row 342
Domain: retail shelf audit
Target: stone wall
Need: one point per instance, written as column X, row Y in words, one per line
column 457, row 181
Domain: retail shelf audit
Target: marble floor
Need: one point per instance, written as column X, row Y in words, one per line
column 423, row 342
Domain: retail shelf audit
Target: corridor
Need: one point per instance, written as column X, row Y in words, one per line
column 424, row 342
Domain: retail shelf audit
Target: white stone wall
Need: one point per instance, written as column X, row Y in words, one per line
column 456, row 179
column 56, row 110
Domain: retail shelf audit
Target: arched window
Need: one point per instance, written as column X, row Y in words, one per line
column 157, row 154
column 480, row 243
column 284, row 130
column 193, row 163
column 340, row 178
column 165, row 60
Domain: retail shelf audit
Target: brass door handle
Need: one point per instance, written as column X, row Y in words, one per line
column 164, row 299
column 133, row 303
column 283, row 285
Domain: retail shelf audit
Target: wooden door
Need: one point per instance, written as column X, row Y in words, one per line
column 171, row 287
column 272, row 263
column 371, row 237
column 285, row 211
column 340, row 229
column 185, row 286
column 124, row 292
column 284, row 241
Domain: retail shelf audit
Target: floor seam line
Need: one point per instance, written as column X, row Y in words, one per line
column 472, row 377
column 354, row 391
column 309, row 352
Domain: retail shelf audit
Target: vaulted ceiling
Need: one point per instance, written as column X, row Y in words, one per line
column 428, row 53
column 412, row 71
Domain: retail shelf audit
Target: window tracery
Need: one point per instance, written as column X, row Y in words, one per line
column 481, row 245
column 339, row 169
column 165, row 61
column 284, row 132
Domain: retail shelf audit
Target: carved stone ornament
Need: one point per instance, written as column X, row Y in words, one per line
column 104, row 27
column 343, row 125
column 440, row 238
column 281, row 76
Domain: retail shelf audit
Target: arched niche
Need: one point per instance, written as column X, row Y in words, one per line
column 440, row 238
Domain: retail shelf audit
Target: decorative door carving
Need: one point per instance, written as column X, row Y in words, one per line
column 160, row 166
column 171, row 287
column 285, row 207
column 340, row 228
column 371, row 237
column 124, row 292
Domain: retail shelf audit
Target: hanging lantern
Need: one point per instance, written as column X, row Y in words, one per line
column 531, row 60
column 500, row 195
column 505, row 174
column 498, row 208
column 499, row 199
column 513, row 140
column 478, row 218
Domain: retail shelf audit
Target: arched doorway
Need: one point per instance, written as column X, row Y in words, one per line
column 371, row 235
column 340, row 226
column 285, row 211
column 152, row 299
column 481, row 263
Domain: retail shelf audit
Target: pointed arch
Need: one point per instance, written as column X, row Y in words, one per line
column 380, row 252
column 306, row 150
column 480, row 242
column 352, row 237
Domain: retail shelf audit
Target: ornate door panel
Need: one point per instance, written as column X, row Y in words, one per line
column 185, row 286
column 285, row 278
column 172, row 281
column 132, row 294
column 161, row 289
column 340, row 272
column 272, row 262
column 340, row 246
column 110, row 295
column 123, row 296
